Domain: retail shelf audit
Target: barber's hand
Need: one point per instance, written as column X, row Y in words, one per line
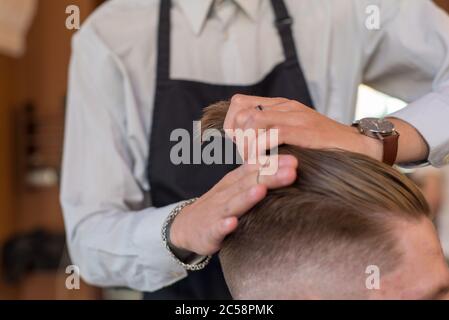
column 297, row 125
column 202, row 226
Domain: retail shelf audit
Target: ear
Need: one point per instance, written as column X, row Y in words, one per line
column 214, row 116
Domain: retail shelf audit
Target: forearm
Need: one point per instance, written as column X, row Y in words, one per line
column 122, row 249
column 412, row 64
column 412, row 146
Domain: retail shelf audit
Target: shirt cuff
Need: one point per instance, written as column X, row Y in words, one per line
column 429, row 115
column 152, row 251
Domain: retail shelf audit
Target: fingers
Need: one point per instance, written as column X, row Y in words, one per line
column 240, row 102
column 216, row 213
column 226, row 226
column 239, row 203
column 243, row 101
column 248, row 192
column 269, row 140
column 287, row 106
column 283, row 177
column 219, row 231
column 253, row 119
column 252, row 123
column 289, row 135
column 275, row 137
column 250, row 169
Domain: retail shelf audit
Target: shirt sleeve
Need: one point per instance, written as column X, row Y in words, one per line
column 408, row 57
column 114, row 235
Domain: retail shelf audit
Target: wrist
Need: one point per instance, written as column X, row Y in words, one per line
column 176, row 237
column 374, row 147
column 413, row 147
column 187, row 259
column 368, row 146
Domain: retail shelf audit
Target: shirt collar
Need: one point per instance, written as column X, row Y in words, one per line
column 197, row 11
column 250, row 7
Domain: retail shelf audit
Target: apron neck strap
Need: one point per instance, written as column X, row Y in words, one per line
column 163, row 42
column 283, row 24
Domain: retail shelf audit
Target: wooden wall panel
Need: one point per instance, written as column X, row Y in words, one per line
column 7, row 219
column 39, row 77
column 444, row 4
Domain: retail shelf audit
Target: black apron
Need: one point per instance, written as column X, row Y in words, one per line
column 177, row 104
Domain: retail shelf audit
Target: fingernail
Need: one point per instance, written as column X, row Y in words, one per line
column 287, row 161
column 285, row 173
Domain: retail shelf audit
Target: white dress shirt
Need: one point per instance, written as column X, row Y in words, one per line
column 442, row 218
column 113, row 232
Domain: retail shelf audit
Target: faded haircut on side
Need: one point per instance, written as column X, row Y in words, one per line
column 319, row 235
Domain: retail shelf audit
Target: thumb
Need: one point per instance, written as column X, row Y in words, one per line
column 223, row 228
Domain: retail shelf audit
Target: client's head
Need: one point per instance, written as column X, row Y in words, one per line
column 346, row 218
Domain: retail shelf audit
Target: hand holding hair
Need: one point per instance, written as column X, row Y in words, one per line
column 202, row 226
column 301, row 126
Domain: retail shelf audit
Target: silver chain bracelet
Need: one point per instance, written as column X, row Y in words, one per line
column 165, row 239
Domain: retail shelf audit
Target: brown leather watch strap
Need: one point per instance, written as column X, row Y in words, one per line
column 390, row 152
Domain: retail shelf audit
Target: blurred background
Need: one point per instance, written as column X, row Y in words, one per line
column 34, row 57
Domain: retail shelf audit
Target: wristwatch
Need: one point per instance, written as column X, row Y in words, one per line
column 384, row 131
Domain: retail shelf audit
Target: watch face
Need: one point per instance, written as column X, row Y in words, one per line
column 375, row 125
